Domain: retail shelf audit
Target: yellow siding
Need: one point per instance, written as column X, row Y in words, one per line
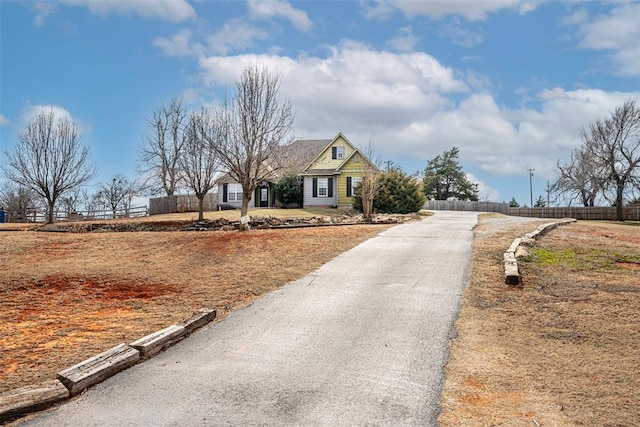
column 350, row 169
column 353, row 166
column 324, row 161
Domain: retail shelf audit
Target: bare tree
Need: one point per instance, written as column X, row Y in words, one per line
column 369, row 183
column 92, row 203
column 17, row 200
column 615, row 145
column 50, row 158
column 256, row 124
column 71, row 201
column 117, row 193
column 199, row 161
column 580, row 178
column 162, row 146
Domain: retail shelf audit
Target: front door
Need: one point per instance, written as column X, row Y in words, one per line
column 264, row 197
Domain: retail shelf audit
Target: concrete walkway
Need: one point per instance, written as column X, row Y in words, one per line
column 360, row 341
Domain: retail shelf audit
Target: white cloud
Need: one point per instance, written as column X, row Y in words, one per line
column 59, row 113
column 617, row 32
column 42, row 10
column 405, row 42
column 476, row 10
column 413, row 108
column 458, row 35
column 4, row 121
column 485, row 192
column 266, row 9
column 165, row 10
column 578, row 17
column 179, row 44
column 235, row 34
column 376, row 9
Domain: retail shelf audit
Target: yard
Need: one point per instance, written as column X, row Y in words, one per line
column 562, row 348
column 68, row 296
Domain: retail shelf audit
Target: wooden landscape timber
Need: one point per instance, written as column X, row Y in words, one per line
column 74, row 380
column 31, row 398
column 511, row 274
column 98, row 368
column 157, row 341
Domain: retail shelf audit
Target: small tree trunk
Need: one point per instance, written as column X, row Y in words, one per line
column 50, row 216
column 200, row 207
column 244, row 208
column 619, row 202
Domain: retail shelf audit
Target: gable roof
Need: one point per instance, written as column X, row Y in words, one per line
column 336, row 171
column 297, row 157
column 299, row 154
column 294, row 157
column 326, row 146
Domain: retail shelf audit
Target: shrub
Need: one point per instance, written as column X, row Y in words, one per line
column 396, row 193
column 289, row 191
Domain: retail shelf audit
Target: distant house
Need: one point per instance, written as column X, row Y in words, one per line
column 331, row 169
column 330, row 178
column 295, row 157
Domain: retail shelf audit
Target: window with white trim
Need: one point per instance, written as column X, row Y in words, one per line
column 323, row 187
column 355, row 180
column 234, row 192
column 340, row 152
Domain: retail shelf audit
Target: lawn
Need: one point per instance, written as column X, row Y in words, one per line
column 562, row 348
column 68, row 296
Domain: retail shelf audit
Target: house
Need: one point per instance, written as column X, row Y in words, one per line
column 330, row 178
column 295, row 157
column 331, row 168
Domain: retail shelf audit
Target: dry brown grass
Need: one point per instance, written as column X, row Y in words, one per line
column 66, row 297
column 562, row 348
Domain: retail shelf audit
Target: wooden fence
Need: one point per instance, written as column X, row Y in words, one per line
column 41, row 216
column 630, row 213
column 465, row 205
column 182, row 203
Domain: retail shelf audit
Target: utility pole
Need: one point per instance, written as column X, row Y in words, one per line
column 531, row 185
column 548, row 193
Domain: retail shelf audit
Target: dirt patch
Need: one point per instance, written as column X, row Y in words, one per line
column 559, row 350
column 66, row 297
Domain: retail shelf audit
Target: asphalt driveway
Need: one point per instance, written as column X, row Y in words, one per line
column 360, row 341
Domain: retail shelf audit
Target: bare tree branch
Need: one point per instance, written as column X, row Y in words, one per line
column 615, row 145
column 117, row 193
column 50, row 158
column 199, row 162
column 162, row 146
column 255, row 124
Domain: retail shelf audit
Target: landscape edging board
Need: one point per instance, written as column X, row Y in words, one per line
column 511, row 273
column 72, row 381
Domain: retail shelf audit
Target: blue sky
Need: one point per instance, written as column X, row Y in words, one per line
column 508, row 82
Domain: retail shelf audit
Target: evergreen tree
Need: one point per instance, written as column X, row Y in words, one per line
column 445, row 180
column 540, row 203
column 289, row 190
column 513, row 203
column 396, row 193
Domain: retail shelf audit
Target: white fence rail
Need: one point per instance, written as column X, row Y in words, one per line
column 41, row 216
